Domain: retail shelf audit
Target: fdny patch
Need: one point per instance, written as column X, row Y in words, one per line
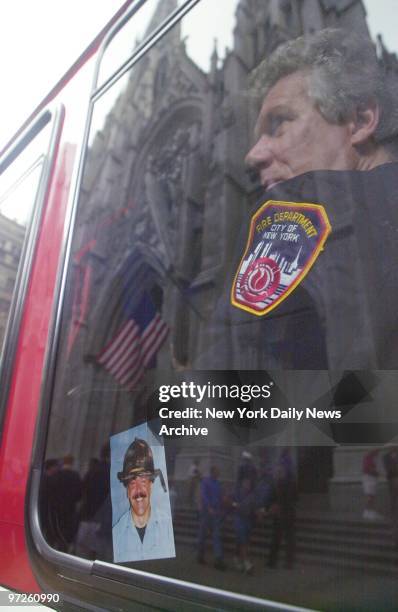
column 284, row 241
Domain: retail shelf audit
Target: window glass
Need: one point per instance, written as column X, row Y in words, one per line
column 12, row 234
column 148, row 18
column 18, row 189
column 236, row 238
column 135, row 32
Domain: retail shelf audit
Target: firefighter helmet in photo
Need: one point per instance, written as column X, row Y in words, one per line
column 138, row 462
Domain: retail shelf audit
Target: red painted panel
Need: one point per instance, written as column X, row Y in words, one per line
column 15, row 570
column 22, row 409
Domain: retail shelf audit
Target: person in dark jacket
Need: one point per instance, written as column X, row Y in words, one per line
column 390, row 461
column 313, row 294
column 283, row 512
column 244, row 506
column 247, row 470
column 47, row 502
column 67, row 492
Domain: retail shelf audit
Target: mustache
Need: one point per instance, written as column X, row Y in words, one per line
column 140, row 494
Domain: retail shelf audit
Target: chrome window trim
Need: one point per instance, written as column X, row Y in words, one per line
column 11, row 337
column 158, row 585
column 25, row 139
column 147, row 43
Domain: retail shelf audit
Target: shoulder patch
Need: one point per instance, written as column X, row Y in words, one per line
column 285, row 239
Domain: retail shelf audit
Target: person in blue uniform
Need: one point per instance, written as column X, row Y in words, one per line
column 143, row 531
column 211, row 517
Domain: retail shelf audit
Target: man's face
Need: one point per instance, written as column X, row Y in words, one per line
column 139, row 493
column 292, row 137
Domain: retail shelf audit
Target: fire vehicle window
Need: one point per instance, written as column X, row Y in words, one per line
column 233, row 263
column 15, row 211
column 134, row 34
column 22, row 172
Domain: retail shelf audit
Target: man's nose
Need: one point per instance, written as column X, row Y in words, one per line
column 260, row 155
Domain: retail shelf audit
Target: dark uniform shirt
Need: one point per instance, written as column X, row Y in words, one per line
column 344, row 314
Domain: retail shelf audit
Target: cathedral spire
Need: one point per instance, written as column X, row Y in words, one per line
column 214, row 59
column 163, row 9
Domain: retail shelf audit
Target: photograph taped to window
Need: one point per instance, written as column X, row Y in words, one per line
column 141, row 525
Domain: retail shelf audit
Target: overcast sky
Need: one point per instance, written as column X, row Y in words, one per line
column 40, row 39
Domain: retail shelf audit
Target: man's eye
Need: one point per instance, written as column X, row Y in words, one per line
column 275, row 124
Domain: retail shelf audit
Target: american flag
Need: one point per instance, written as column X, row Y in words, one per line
column 134, row 347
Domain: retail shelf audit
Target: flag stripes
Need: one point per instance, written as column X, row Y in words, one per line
column 134, row 347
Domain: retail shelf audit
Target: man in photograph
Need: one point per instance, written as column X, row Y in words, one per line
column 144, row 531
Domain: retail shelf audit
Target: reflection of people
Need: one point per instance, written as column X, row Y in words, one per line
column 326, row 134
column 244, row 507
column 370, row 475
column 92, row 539
column 144, row 531
column 194, row 482
column 390, row 461
column 66, row 491
column 325, row 109
column 283, row 510
column 244, row 521
column 247, row 470
column 328, row 107
column 47, row 503
column 93, row 489
column 211, row 504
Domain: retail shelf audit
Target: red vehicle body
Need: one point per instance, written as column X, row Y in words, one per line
column 20, row 418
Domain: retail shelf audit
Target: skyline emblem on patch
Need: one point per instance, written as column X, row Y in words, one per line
column 285, row 239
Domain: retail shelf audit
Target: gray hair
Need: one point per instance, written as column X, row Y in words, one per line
column 344, row 76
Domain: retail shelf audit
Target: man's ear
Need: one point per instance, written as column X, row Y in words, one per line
column 364, row 124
